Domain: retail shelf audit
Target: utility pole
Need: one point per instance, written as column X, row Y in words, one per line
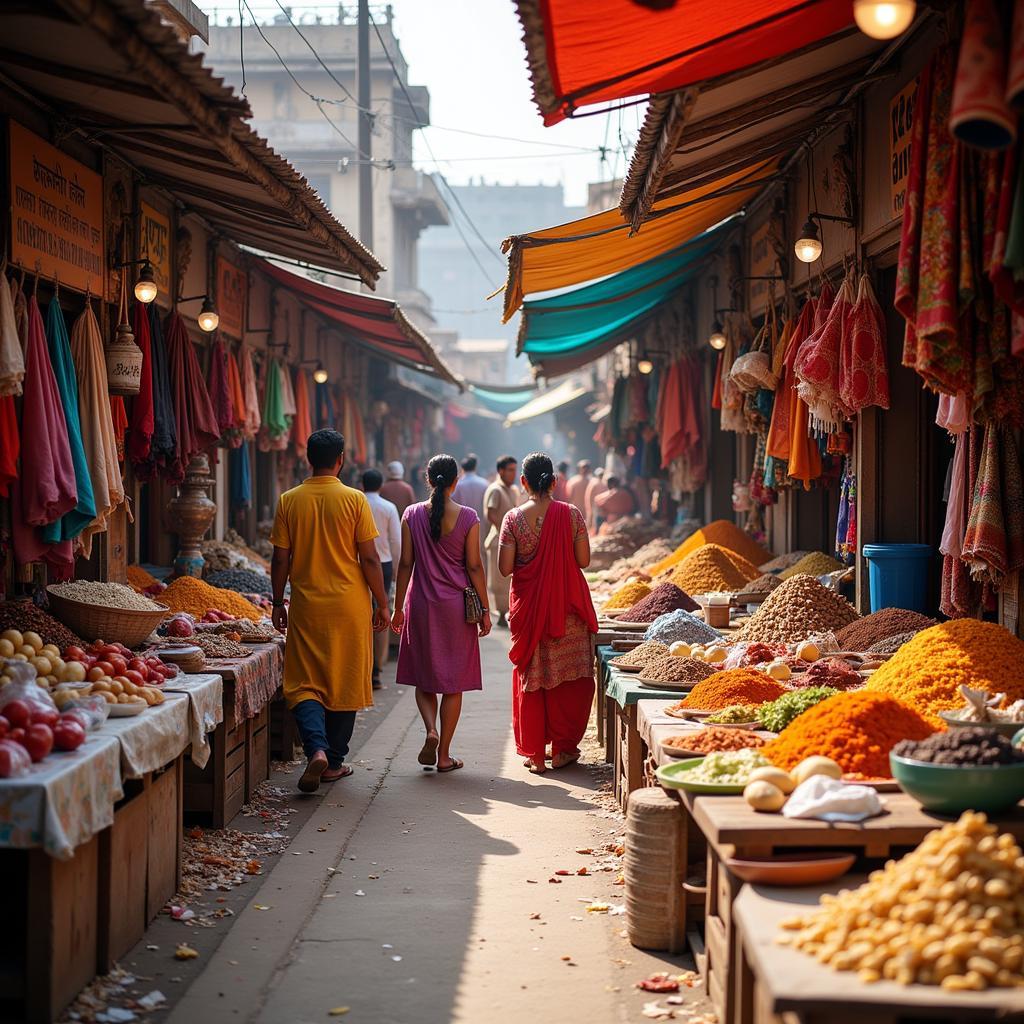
column 365, row 154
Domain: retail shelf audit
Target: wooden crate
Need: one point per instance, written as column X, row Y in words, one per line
column 257, row 752
column 282, row 731
column 214, row 795
column 163, row 859
column 123, row 850
column 48, row 942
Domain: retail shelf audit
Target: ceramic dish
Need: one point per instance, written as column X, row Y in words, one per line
column 735, row 725
column 663, row 684
column 126, row 710
column 953, row 789
column 669, row 775
column 1007, row 729
column 687, row 713
column 680, row 751
column 792, row 868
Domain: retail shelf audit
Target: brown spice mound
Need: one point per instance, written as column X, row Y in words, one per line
column 880, row 625
column 678, row 670
column 649, row 650
column 716, row 737
column 664, row 598
column 764, row 584
column 713, row 568
column 24, row 616
column 800, row 607
column 891, row 644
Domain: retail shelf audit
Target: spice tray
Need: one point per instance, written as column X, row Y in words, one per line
column 671, row 776
column 684, row 714
column 680, row 752
column 628, row 668
column 662, row 684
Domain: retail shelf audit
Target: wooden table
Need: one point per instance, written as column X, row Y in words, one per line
column 777, row 984
column 733, row 829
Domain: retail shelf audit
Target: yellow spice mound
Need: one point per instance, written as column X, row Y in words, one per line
column 710, row 568
column 724, row 534
column 926, row 673
column 188, row 594
column 628, row 594
column 814, row 563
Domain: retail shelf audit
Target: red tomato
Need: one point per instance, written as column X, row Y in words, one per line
column 68, row 734
column 118, row 664
column 106, row 668
column 76, row 715
column 18, row 713
column 44, row 716
column 137, row 664
column 5, row 727
column 18, row 735
column 109, row 649
column 38, row 741
column 13, row 759
column 74, row 654
column 134, row 677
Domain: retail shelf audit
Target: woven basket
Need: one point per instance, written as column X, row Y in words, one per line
column 94, row 622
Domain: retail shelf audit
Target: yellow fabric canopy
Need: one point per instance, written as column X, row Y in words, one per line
column 601, row 244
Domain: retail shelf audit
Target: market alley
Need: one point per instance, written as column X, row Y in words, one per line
column 417, row 897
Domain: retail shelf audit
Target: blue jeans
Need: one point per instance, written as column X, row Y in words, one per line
column 329, row 731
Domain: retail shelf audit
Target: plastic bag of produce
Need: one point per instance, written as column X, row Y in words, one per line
column 23, row 686
column 831, row 800
column 94, row 708
column 14, row 760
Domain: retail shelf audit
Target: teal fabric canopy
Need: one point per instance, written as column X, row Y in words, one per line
column 599, row 315
column 501, row 399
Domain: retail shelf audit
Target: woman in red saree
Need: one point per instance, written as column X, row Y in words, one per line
column 544, row 548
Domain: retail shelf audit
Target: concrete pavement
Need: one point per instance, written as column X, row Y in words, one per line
column 410, row 896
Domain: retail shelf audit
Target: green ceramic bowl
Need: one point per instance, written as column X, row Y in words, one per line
column 672, row 776
column 952, row 789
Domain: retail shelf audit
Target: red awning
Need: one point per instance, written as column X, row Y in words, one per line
column 377, row 324
column 583, row 52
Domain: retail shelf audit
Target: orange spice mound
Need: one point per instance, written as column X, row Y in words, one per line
column 734, row 686
column 712, row 568
column 857, row 730
column 139, row 579
column 195, row 596
column 927, row 672
column 721, row 532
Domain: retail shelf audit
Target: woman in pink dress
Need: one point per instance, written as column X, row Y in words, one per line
column 440, row 651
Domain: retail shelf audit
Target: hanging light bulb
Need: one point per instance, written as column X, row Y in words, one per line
column 320, row 374
column 145, row 287
column 645, row 366
column 883, row 19
column 808, row 245
column 717, row 339
column 208, row 318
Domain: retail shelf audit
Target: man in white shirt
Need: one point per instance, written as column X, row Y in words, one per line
column 389, row 550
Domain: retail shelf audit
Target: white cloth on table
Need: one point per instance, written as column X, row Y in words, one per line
column 205, row 709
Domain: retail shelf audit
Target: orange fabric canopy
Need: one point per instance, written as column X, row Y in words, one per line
column 601, row 244
column 582, row 52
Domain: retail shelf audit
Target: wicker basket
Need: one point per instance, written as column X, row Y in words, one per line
column 94, row 622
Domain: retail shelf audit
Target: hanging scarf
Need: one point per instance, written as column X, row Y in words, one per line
column 98, row 435
column 545, row 591
column 165, row 425
column 302, row 426
column 779, row 429
column 193, row 412
column 12, row 359
column 816, row 366
column 73, row 522
column 140, row 432
column 219, row 388
column 250, row 395
column 287, row 393
column 863, row 369
column 119, row 418
column 237, row 402
column 240, row 479
column 10, row 443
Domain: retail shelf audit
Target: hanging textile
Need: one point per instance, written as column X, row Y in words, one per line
column 140, row 431
column 10, row 443
column 250, row 394
column 302, row 425
column 846, row 521
column 73, row 522
column 240, row 481
column 287, row 393
column 193, row 412
column 98, row 437
column 219, row 388
column 779, row 430
column 12, row 359
column 165, row 422
column 237, row 402
column 739, row 333
column 274, row 422
column 325, row 414
column 45, row 490
column 960, row 596
column 20, row 303
column 119, row 418
column 816, row 366
column 863, row 367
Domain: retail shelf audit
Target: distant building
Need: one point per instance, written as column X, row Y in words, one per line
column 320, row 139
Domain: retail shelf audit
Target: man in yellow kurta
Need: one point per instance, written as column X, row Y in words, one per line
column 323, row 539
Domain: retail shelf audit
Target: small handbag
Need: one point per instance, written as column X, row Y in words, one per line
column 474, row 606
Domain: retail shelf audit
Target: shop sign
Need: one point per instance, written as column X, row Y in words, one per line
column 901, row 121
column 56, row 212
column 155, row 245
column 763, row 262
column 232, row 285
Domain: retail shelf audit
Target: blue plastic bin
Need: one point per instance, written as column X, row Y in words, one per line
column 898, row 575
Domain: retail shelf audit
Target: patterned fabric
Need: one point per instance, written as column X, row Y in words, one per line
column 256, row 678
column 863, row 369
column 817, row 365
column 205, row 693
column 556, row 660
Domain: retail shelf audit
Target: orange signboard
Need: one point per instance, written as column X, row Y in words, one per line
column 56, row 212
column 232, row 284
column 155, row 246
column 901, row 122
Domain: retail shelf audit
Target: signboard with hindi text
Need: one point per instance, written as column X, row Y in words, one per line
column 231, row 297
column 901, row 122
column 155, row 245
column 56, row 213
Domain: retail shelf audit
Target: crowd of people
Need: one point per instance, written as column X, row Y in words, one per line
column 509, row 551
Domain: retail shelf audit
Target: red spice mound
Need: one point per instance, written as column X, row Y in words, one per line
column 857, row 730
column 735, row 686
column 664, row 598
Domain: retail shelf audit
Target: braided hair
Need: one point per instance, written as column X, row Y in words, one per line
column 442, row 472
column 539, row 473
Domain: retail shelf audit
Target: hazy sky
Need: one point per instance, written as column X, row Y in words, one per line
column 470, row 55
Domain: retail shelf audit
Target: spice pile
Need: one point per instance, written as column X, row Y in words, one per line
column 652, row 551
column 197, row 597
column 670, row 669
column 734, row 713
column 621, row 540
column 627, row 595
column 648, row 651
column 814, row 563
column 891, row 644
column 242, row 581
column 26, row 617
column 721, row 532
column 800, row 607
column 856, row 730
column 782, row 562
column 139, row 579
column 734, row 686
column 681, row 625
column 713, row 738
column 662, row 599
column 216, row 646
column 779, row 713
column 251, row 632
column 233, row 538
column 712, row 568
column 962, row 747
column 764, row 584
column 104, row 595
column 968, row 937
column 881, row 625
column 726, row 768
column 837, row 673
column 927, row 673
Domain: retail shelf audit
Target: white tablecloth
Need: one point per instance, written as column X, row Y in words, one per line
column 205, row 709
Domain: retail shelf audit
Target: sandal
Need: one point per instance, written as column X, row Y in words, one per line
column 315, row 768
column 453, row 767
column 563, row 760
column 428, row 752
column 333, row 774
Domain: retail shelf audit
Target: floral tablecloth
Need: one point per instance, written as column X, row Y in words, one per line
column 65, row 800
column 256, row 678
column 205, row 709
